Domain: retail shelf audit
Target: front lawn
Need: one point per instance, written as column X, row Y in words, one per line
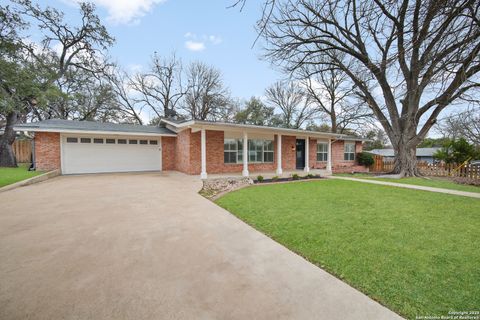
column 12, row 175
column 436, row 182
column 416, row 252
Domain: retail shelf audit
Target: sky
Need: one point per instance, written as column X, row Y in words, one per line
column 206, row 31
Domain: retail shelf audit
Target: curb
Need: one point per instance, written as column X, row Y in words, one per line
column 32, row 180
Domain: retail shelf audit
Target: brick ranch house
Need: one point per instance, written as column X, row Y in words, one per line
column 193, row 147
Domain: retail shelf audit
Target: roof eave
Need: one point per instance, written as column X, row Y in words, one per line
column 80, row 131
column 196, row 124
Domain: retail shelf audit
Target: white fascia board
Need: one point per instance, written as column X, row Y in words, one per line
column 197, row 125
column 119, row 133
column 178, row 125
column 259, row 129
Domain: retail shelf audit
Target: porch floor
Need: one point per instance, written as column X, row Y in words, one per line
column 270, row 174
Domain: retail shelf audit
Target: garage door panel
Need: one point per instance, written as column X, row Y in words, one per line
column 101, row 157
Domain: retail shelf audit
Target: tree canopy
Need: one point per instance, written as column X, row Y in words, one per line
column 409, row 60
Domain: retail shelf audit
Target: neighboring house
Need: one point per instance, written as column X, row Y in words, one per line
column 193, row 147
column 423, row 154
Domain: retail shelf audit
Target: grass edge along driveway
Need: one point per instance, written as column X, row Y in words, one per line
column 12, row 175
column 416, row 252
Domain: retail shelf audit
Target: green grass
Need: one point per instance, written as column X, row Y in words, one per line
column 416, row 252
column 443, row 183
column 12, row 175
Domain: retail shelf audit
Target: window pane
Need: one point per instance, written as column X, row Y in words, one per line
column 110, row 141
column 97, row 140
column 268, row 146
column 153, row 142
column 132, row 141
column 229, row 145
column 143, row 141
column 122, row 141
column 268, row 157
column 72, row 140
column 349, row 147
column 229, row 157
column 322, row 156
column 240, row 156
column 85, row 140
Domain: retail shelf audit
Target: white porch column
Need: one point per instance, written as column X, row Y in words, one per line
column 279, row 154
column 329, row 155
column 203, row 148
column 307, row 155
column 245, row 155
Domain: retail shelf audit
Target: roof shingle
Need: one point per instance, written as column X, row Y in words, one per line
column 59, row 124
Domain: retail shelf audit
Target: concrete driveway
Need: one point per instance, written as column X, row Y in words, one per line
column 147, row 246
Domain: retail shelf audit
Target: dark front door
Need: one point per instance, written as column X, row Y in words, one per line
column 300, row 153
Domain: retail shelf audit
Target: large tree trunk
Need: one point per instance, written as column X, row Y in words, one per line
column 405, row 163
column 7, row 157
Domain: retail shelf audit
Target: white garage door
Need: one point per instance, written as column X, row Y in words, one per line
column 92, row 154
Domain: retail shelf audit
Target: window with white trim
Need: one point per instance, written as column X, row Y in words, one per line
column 259, row 151
column 232, row 151
column 349, row 151
column 255, row 150
column 322, row 151
column 267, row 151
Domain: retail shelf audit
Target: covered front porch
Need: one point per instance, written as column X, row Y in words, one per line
column 289, row 154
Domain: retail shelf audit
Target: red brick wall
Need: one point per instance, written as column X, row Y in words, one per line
column 314, row 164
column 183, row 154
column 168, row 153
column 340, row 165
column 215, row 162
column 182, row 151
column 288, row 152
column 195, row 152
column 188, row 154
column 47, row 151
column 187, row 151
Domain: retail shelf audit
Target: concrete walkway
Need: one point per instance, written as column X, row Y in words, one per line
column 147, row 246
column 411, row 186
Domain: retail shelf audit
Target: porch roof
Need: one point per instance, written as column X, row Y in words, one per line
column 180, row 125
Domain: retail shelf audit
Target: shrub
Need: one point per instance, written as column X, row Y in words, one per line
column 295, row 176
column 456, row 151
column 310, row 176
column 469, row 181
column 260, row 178
column 365, row 159
column 275, row 178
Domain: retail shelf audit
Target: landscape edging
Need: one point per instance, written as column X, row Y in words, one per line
column 32, row 180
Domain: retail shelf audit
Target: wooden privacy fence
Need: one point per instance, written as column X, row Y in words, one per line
column 431, row 169
column 23, row 150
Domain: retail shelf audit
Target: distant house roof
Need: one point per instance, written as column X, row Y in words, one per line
column 421, row 152
column 59, row 125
